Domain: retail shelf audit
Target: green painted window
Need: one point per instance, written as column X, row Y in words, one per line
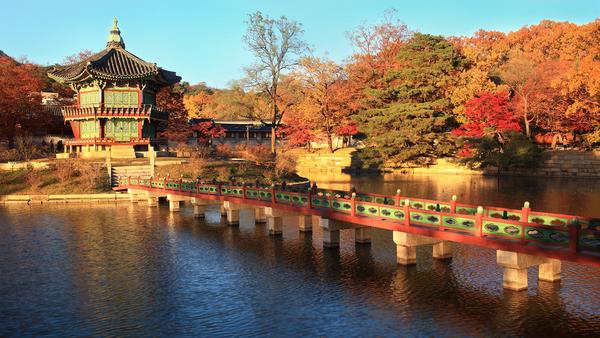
column 121, row 129
column 87, row 99
column 89, row 129
column 121, row 98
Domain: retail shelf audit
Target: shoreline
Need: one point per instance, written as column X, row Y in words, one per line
column 32, row 199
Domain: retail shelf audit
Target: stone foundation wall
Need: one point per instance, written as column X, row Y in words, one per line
column 308, row 165
column 565, row 163
column 555, row 163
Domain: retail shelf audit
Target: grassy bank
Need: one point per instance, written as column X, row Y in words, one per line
column 89, row 176
column 60, row 178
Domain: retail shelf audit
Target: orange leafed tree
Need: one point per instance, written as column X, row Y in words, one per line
column 171, row 99
column 324, row 100
column 376, row 49
column 20, row 100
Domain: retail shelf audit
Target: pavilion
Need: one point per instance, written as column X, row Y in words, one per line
column 115, row 112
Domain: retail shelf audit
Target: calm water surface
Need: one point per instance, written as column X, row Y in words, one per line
column 107, row 270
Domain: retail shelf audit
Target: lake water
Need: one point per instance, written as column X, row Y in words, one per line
column 125, row 270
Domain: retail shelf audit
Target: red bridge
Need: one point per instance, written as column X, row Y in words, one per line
column 523, row 238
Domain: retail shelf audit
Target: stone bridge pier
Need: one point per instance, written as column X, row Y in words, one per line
column 200, row 206
column 406, row 247
column 331, row 232
column 515, row 269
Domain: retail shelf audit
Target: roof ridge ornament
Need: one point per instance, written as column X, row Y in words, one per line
column 114, row 37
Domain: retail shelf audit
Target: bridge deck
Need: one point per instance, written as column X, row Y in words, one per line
column 560, row 236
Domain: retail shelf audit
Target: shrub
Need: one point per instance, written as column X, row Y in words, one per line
column 258, row 154
column 223, row 150
column 517, row 151
column 24, row 145
column 65, row 169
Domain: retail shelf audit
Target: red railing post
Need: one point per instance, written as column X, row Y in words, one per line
column 453, row 204
column 219, row 188
column 353, row 204
column 180, row 183
column 244, row 190
column 525, row 212
column 273, row 200
column 310, row 198
column 398, row 198
column 197, row 186
column 574, row 230
column 406, row 209
column 479, row 221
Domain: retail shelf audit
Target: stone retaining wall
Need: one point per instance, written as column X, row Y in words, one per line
column 565, row 163
column 555, row 163
column 67, row 198
column 310, row 164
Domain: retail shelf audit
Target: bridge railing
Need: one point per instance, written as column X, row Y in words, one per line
column 526, row 227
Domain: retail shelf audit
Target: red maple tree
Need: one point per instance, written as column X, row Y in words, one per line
column 20, row 99
column 489, row 114
column 208, row 130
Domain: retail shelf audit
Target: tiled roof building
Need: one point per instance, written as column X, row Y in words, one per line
column 116, row 100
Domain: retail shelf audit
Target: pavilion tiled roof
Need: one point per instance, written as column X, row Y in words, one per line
column 113, row 63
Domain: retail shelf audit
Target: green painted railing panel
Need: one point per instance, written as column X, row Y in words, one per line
column 466, row 210
column 392, row 213
column 341, row 205
column 461, row 223
column 425, row 217
column 546, row 235
column 499, row 228
column 365, row 209
column 547, row 220
column 321, row 202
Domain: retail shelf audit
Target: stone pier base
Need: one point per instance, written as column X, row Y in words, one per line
column 259, row 215
column 406, row 247
column 174, row 205
column 362, row 235
column 305, row 223
column 275, row 225
column 515, row 269
column 233, row 217
column 442, row 250
column 199, row 210
column 152, row 201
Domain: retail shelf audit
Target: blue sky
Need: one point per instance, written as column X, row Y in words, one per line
column 201, row 40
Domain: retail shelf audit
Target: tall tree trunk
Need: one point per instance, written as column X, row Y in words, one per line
column 274, row 125
column 273, row 141
column 526, row 118
column 330, row 142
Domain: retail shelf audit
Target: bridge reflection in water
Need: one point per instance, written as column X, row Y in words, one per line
column 523, row 238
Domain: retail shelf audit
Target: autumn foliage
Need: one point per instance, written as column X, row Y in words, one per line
column 489, row 114
column 20, row 100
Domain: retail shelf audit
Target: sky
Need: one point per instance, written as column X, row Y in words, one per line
column 202, row 40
